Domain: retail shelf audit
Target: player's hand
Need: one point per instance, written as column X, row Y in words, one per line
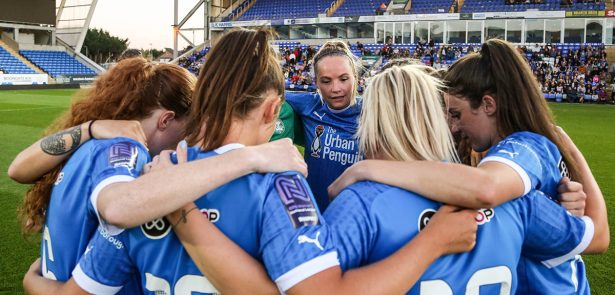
column 354, row 173
column 571, row 196
column 33, row 272
column 453, row 229
column 277, row 156
column 163, row 160
column 104, row 129
column 35, row 267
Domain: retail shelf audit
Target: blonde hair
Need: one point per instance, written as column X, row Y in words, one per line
column 339, row 48
column 402, row 117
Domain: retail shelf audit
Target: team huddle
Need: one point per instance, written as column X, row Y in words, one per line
column 160, row 183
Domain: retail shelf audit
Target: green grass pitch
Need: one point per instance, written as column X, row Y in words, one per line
column 24, row 115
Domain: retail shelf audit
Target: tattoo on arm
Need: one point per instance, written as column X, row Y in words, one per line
column 62, row 142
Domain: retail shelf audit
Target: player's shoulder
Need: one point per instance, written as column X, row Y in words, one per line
column 369, row 192
column 279, row 179
column 301, row 98
column 120, row 144
column 527, row 137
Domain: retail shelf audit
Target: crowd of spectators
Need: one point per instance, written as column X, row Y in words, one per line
column 435, row 55
column 194, row 62
column 576, row 74
column 298, row 70
column 297, row 66
column 571, row 73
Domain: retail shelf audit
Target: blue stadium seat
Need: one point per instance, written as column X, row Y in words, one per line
column 57, row 63
column 282, row 9
column 11, row 65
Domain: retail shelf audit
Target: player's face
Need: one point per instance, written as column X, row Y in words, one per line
column 473, row 123
column 335, row 80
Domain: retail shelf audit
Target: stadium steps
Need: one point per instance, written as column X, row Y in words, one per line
column 334, row 6
column 21, row 58
column 397, row 7
column 240, row 13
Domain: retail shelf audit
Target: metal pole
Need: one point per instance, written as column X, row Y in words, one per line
column 207, row 8
column 175, row 29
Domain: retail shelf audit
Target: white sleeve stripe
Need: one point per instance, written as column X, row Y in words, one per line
column 306, row 270
column 90, row 285
column 94, row 199
column 585, row 241
column 527, row 184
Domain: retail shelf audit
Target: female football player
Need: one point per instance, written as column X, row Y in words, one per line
column 69, row 202
column 329, row 117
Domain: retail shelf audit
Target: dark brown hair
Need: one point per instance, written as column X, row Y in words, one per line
column 130, row 90
column 239, row 69
column 500, row 71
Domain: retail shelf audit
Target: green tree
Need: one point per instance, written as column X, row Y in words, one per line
column 152, row 53
column 101, row 47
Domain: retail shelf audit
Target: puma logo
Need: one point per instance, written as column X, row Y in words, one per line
column 88, row 249
column 511, row 154
column 305, row 239
column 319, row 116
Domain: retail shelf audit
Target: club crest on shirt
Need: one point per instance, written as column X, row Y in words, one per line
column 484, row 215
column 123, row 154
column 424, row 218
column 156, row 229
column 296, row 200
column 316, row 145
column 279, row 127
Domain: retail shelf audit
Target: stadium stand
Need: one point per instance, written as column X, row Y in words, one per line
column 567, row 72
column 282, row 9
column 430, row 6
column 357, row 7
column 238, row 11
column 279, row 9
column 194, row 62
column 56, row 63
column 11, row 65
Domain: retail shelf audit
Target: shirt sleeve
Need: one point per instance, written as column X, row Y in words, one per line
column 295, row 242
column 552, row 235
column 353, row 232
column 302, row 102
column 118, row 162
column 285, row 126
column 105, row 267
column 522, row 156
